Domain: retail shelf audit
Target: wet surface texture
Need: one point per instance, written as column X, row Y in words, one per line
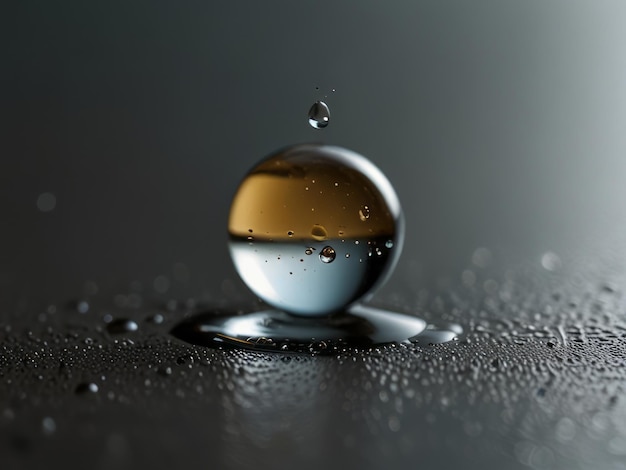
column 126, row 128
column 536, row 382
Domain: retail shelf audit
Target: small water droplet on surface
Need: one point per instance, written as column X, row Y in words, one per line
column 327, row 255
column 319, row 115
column 86, row 388
column 364, row 213
column 309, row 251
column 157, row 318
column 389, row 244
column 290, row 233
column 121, row 326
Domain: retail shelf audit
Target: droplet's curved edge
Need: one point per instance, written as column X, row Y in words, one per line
column 273, row 330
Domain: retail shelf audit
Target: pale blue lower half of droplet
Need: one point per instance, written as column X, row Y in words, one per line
column 283, row 275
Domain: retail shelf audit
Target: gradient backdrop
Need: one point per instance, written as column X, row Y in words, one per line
column 501, row 124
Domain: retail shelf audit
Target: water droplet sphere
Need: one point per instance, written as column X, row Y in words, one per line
column 292, row 203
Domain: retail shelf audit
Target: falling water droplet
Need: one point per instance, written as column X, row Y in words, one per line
column 327, row 255
column 319, row 115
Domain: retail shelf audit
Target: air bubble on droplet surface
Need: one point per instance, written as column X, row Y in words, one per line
column 364, row 213
column 319, row 233
column 319, row 115
column 327, row 255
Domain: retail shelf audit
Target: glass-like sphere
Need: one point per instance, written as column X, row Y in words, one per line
column 313, row 228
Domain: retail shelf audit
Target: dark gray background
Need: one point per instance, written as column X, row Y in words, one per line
column 500, row 124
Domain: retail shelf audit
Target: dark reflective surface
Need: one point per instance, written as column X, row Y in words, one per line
column 125, row 129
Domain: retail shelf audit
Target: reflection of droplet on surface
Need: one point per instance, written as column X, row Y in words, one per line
column 319, row 115
column 86, row 388
column 272, row 201
column 327, row 255
column 46, row 202
column 550, row 261
column 364, row 213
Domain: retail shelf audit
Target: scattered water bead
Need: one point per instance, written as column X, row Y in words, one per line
column 327, row 255
column 86, row 388
column 319, row 115
column 273, row 201
column 122, row 325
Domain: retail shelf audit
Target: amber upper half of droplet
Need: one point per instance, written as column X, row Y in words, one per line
column 309, row 194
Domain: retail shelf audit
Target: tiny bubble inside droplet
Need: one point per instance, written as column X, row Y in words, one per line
column 319, row 232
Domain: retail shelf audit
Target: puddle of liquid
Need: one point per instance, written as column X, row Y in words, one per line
column 274, row 330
